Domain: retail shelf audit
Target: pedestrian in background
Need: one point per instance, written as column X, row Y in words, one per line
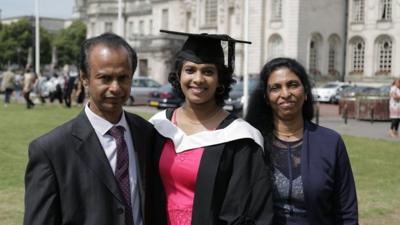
column 70, row 80
column 313, row 180
column 394, row 108
column 40, row 88
column 209, row 162
column 18, row 84
column 7, row 85
column 56, row 86
column 29, row 82
column 79, row 92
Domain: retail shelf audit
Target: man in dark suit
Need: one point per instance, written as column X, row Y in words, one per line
column 93, row 169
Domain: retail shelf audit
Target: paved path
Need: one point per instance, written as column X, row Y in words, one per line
column 329, row 117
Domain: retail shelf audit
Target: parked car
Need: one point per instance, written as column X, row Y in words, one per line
column 384, row 90
column 329, row 92
column 165, row 97
column 236, row 99
column 355, row 90
column 141, row 90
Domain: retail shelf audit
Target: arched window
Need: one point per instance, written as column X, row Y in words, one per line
column 333, row 56
column 385, row 10
column 276, row 7
column 313, row 59
column 384, row 49
column 275, row 46
column 358, row 11
column 357, row 55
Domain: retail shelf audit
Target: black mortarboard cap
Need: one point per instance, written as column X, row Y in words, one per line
column 207, row 48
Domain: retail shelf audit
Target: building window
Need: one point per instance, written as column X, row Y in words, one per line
column 187, row 21
column 211, row 11
column 384, row 56
column 385, row 10
column 150, row 27
column 143, row 68
column 276, row 7
column 130, row 28
column 108, row 27
column 358, row 11
column 164, row 19
column 93, row 28
column 141, row 27
column 357, row 56
column 231, row 20
column 313, row 55
column 333, row 57
column 313, row 65
column 275, row 47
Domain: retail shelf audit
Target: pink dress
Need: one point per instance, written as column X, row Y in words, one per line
column 179, row 174
column 394, row 105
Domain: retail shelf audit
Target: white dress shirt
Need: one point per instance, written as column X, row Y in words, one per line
column 101, row 127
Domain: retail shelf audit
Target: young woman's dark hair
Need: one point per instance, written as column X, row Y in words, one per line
column 225, row 81
column 259, row 113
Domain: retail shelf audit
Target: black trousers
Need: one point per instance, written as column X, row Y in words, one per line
column 29, row 103
column 7, row 95
column 395, row 124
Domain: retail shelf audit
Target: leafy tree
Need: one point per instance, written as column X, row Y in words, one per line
column 45, row 46
column 16, row 39
column 68, row 43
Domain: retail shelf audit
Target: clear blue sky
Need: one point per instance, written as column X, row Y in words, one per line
column 47, row 8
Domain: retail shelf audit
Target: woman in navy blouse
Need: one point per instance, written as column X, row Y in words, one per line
column 313, row 180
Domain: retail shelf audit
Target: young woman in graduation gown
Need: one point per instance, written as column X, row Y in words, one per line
column 209, row 162
column 313, row 180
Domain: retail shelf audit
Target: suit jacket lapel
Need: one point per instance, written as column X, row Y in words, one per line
column 92, row 153
column 140, row 155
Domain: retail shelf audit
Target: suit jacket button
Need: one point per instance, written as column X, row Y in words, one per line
column 120, row 210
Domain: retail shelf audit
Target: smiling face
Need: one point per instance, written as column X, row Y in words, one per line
column 285, row 94
column 199, row 82
column 109, row 81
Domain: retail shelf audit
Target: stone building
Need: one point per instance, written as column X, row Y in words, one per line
column 143, row 19
column 354, row 40
column 309, row 31
column 52, row 25
column 373, row 40
column 351, row 40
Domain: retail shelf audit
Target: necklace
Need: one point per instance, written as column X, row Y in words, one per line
column 294, row 135
column 212, row 116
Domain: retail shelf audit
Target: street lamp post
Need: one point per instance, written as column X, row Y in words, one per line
column 37, row 41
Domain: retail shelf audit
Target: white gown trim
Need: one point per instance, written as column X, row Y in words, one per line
column 238, row 129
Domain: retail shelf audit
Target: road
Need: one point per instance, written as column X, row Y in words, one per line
column 329, row 117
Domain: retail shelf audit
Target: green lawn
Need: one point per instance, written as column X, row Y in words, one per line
column 375, row 164
column 376, row 169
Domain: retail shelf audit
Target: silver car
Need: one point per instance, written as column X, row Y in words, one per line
column 328, row 92
column 141, row 90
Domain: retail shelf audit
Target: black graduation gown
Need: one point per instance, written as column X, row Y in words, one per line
column 233, row 184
